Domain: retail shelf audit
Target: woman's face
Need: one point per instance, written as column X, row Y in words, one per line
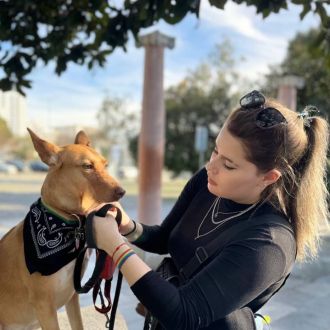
column 230, row 175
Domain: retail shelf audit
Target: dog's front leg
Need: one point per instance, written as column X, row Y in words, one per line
column 74, row 315
column 46, row 315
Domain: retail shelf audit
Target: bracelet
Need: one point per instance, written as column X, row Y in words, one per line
column 117, row 248
column 133, row 230
column 122, row 261
column 122, row 255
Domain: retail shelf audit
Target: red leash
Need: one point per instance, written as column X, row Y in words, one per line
column 106, row 276
column 103, row 271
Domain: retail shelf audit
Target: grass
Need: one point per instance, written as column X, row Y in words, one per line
column 31, row 183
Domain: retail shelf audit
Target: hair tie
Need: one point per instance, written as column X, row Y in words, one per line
column 308, row 114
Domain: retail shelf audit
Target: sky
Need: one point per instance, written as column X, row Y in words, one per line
column 74, row 98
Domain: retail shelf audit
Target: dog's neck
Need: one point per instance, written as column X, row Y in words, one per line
column 62, row 213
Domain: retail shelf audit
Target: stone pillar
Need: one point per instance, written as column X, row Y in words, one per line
column 152, row 136
column 287, row 90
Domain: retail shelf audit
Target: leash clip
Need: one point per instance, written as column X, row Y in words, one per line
column 79, row 233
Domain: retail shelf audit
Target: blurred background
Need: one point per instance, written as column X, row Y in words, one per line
column 216, row 59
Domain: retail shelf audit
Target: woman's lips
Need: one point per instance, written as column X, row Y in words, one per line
column 211, row 182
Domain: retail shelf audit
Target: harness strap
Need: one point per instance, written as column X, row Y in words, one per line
column 203, row 253
column 115, row 302
column 106, row 292
column 104, row 269
column 99, row 265
column 101, row 257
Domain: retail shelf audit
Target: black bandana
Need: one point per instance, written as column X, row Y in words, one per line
column 49, row 240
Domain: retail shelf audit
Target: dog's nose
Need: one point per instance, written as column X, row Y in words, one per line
column 120, row 192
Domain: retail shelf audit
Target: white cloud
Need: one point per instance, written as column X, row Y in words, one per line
column 262, row 42
column 236, row 17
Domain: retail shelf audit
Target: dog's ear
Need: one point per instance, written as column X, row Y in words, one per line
column 82, row 138
column 48, row 152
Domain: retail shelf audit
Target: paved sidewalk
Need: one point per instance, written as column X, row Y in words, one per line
column 302, row 304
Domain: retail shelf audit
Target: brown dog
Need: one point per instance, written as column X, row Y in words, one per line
column 76, row 182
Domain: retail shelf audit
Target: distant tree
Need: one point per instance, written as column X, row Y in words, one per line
column 203, row 97
column 22, row 147
column 116, row 123
column 305, row 60
column 86, row 32
column 5, row 133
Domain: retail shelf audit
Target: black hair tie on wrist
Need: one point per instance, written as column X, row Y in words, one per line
column 132, row 231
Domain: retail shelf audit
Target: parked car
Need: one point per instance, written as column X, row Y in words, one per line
column 7, row 168
column 20, row 165
column 38, row 166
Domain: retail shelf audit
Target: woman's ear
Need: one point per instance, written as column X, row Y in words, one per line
column 271, row 177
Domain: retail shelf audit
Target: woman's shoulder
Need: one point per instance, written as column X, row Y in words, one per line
column 271, row 216
column 274, row 226
column 200, row 176
column 197, row 181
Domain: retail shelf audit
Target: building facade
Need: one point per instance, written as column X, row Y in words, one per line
column 13, row 111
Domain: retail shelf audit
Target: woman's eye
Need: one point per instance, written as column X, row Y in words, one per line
column 229, row 168
column 87, row 166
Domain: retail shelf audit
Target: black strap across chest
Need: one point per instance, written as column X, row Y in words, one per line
column 204, row 253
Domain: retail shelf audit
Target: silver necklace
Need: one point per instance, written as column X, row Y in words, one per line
column 221, row 222
column 218, row 202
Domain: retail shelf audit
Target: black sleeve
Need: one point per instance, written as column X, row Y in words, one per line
column 154, row 238
column 235, row 277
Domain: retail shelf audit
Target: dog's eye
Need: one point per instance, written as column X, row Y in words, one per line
column 87, row 166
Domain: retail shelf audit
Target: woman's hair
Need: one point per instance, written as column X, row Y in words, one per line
column 299, row 151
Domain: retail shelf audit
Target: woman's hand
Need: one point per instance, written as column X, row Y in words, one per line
column 126, row 223
column 125, row 220
column 106, row 233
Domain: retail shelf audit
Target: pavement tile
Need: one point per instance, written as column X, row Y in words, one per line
column 316, row 288
column 301, row 321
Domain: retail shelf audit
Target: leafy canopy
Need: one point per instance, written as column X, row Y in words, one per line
column 304, row 60
column 86, row 32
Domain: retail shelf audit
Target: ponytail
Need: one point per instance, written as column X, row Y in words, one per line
column 306, row 203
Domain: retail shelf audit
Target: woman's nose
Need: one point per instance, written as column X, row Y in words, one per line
column 211, row 166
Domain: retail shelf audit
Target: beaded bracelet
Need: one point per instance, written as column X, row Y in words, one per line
column 133, row 230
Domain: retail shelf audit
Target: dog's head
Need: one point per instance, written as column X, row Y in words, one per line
column 77, row 179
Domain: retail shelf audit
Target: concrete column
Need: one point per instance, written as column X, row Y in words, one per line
column 152, row 136
column 287, row 90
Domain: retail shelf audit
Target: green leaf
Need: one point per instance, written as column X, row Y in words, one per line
column 307, row 8
column 218, row 3
column 322, row 13
column 5, row 84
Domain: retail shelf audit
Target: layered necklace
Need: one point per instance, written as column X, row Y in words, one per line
column 214, row 210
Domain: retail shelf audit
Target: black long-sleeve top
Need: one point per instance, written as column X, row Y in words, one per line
column 235, row 283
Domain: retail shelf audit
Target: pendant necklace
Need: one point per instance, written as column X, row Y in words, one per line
column 214, row 216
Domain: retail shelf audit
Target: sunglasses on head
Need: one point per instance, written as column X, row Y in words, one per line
column 266, row 117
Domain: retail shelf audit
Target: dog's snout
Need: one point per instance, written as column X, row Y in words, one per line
column 120, row 192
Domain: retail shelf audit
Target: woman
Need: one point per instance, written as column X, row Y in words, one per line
column 268, row 171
